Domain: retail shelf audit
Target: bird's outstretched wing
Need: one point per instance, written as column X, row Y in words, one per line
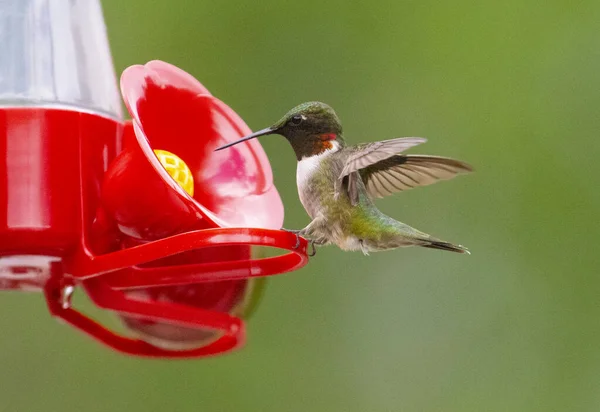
column 403, row 172
column 384, row 171
column 370, row 153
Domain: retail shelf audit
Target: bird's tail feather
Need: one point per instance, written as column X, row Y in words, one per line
column 440, row 244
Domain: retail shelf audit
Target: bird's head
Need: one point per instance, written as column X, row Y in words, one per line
column 311, row 128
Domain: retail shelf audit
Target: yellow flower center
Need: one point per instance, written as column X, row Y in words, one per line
column 177, row 169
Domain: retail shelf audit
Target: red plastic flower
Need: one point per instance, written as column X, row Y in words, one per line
column 174, row 112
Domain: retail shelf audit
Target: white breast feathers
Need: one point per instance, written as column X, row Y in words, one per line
column 308, row 165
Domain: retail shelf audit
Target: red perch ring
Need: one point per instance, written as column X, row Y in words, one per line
column 173, row 258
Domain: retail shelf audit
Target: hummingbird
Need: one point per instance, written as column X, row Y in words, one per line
column 337, row 182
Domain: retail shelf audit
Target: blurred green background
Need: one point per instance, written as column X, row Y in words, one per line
column 512, row 87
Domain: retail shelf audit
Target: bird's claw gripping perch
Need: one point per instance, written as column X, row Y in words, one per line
column 313, row 243
column 297, row 233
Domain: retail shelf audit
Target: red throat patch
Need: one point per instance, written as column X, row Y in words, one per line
column 328, row 137
column 324, row 143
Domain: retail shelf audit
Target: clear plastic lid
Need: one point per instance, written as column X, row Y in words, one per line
column 55, row 53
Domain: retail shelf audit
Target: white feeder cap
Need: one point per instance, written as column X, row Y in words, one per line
column 55, row 54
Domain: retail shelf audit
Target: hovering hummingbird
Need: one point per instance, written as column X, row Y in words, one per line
column 337, row 182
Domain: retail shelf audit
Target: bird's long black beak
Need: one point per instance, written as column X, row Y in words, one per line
column 263, row 132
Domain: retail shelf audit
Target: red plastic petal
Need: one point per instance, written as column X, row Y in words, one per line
column 163, row 74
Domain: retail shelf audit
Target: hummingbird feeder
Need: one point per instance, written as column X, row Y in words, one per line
column 142, row 215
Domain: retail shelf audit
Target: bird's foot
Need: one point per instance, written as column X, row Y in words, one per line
column 313, row 242
column 297, row 233
column 313, row 248
column 363, row 248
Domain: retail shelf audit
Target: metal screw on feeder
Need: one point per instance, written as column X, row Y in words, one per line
column 142, row 215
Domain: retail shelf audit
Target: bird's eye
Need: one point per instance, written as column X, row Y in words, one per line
column 296, row 120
